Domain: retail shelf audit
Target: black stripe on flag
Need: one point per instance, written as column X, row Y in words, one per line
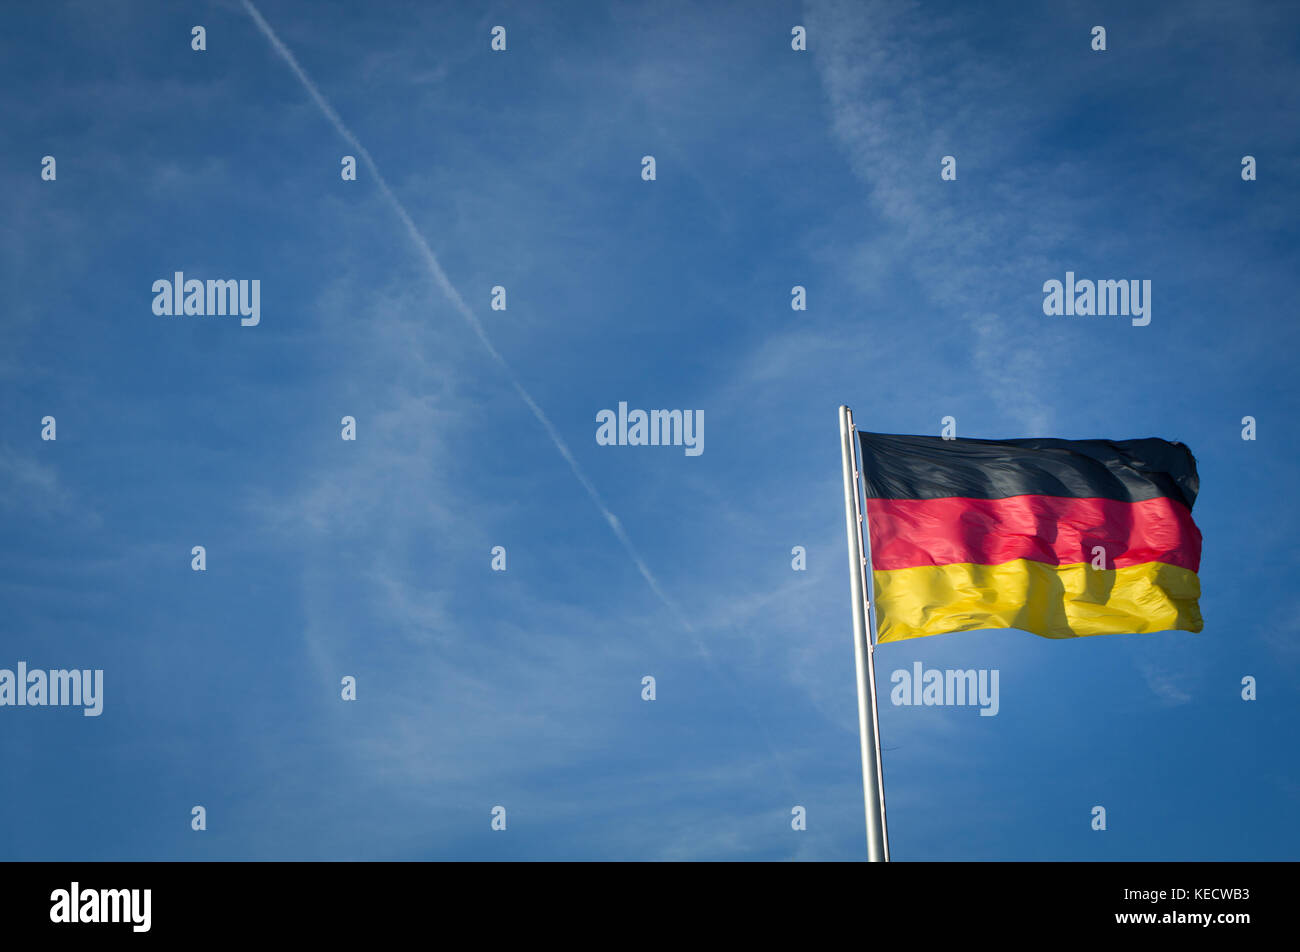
column 931, row 467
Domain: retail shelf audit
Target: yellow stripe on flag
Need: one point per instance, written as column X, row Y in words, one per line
column 1055, row 601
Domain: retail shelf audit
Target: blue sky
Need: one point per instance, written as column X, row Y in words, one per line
column 522, row 688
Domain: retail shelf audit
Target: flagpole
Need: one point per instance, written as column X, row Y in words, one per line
column 873, row 791
column 868, row 586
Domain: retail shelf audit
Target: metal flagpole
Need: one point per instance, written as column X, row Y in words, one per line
column 868, row 586
column 873, row 790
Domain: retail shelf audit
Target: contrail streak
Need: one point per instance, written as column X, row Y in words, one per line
column 452, row 295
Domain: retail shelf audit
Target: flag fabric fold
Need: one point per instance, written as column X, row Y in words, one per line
column 1060, row 538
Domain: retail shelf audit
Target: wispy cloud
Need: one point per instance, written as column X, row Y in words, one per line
column 897, row 107
column 458, row 302
column 1166, row 685
column 31, row 486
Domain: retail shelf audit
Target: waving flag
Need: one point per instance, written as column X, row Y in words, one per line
column 1056, row 537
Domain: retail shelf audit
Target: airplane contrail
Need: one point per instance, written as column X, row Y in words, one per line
column 449, row 290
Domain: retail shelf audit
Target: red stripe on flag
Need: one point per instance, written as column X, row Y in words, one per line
column 1055, row 530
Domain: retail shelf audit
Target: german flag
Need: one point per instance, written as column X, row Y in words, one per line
column 1056, row 537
